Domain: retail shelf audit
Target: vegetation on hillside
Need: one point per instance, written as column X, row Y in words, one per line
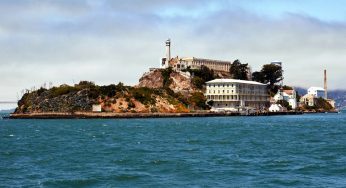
column 201, row 76
column 320, row 105
column 82, row 96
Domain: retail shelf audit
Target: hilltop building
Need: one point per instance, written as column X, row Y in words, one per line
column 233, row 95
column 287, row 95
column 179, row 64
column 316, row 92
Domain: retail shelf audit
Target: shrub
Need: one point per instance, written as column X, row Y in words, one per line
column 198, row 99
column 62, row 90
column 198, row 82
column 166, row 74
column 143, row 95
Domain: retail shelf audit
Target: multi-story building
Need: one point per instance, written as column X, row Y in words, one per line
column 287, row 95
column 316, row 92
column 196, row 63
column 232, row 95
column 192, row 62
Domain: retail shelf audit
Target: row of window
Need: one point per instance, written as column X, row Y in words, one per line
column 235, row 97
column 238, row 91
column 222, row 85
column 251, row 87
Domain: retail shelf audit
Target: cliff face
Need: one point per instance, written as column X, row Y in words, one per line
column 161, row 90
column 178, row 82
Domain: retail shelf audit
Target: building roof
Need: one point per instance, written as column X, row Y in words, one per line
column 235, row 81
column 316, row 88
column 202, row 59
column 289, row 92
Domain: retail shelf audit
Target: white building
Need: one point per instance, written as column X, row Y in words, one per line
column 287, row 95
column 96, row 108
column 316, row 92
column 196, row 63
column 277, row 108
column 231, row 94
column 308, row 100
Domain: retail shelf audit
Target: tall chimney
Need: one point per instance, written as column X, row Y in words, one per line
column 325, row 85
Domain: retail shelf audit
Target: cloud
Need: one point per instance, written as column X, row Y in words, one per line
column 111, row 41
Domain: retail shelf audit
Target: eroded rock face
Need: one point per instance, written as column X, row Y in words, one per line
column 153, row 79
column 180, row 82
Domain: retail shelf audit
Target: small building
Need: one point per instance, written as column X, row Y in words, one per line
column 234, row 95
column 277, row 108
column 331, row 102
column 308, row 99
column 96, row 108
column 317, row 92
column 287, row 95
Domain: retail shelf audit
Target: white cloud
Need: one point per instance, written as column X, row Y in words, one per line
column 112, row 41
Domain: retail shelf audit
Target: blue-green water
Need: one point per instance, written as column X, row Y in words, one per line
column 277, row 151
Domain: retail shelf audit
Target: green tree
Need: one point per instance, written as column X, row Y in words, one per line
column 270, row 74
column 239, row 70
column 198, row 100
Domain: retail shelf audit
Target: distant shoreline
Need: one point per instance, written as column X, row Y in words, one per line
column 108, row 115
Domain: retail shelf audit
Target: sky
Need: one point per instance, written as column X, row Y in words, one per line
column 111, row 41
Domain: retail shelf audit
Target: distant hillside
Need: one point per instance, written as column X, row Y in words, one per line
column 338, row 95
column 6, row 111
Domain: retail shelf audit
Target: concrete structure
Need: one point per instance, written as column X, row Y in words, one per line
column 308, row 99
column 196, row 63
column 325, row 85
column 287, row 95
column 277, row 108
column 96, row 108
column 233, row 95
column 192, row 62
column 316, row 92
column 165, row 61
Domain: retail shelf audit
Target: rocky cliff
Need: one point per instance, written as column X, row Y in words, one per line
column 112, row 98
column 161, row 90
column 176, row 81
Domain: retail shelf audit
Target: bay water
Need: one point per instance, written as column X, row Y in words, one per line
column 276, row 151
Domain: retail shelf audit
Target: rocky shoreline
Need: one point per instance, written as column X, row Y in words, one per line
column 107, row 115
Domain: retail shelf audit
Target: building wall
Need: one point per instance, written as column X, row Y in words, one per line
column 234, row 95
column 195, row 63
column 316, row 92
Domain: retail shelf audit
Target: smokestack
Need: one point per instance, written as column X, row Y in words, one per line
column 325, row 85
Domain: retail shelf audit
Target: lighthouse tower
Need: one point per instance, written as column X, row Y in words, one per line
column 165, row 61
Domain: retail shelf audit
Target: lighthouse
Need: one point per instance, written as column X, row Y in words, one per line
column 165, row 60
